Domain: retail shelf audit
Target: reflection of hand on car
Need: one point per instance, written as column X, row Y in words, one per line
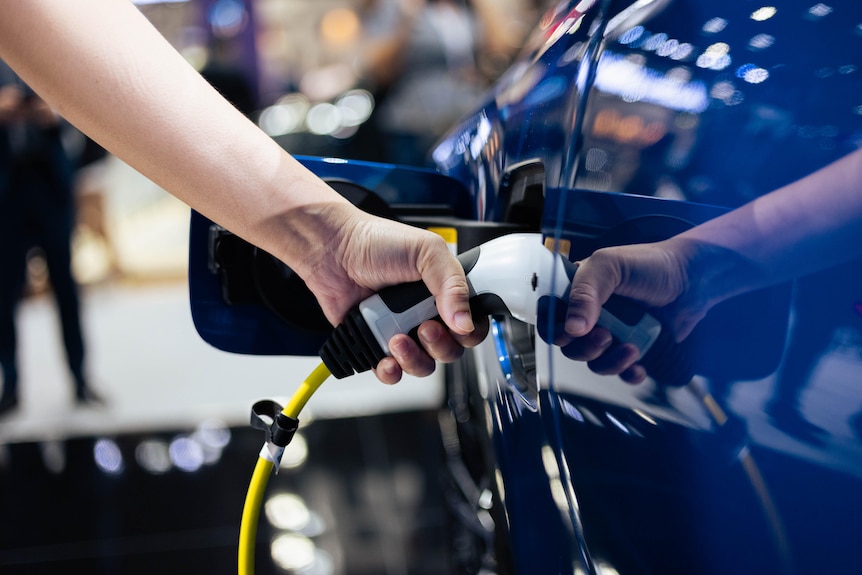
column 806, row 226
column 654, row 274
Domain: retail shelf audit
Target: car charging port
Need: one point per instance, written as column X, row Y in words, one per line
column 522, row 194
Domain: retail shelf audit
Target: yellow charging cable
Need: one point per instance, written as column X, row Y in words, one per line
column 266, row 461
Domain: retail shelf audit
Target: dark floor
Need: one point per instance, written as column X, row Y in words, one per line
column 366, row 500
column 154, row 481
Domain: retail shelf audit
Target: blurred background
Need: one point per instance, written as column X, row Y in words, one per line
column 137, row 457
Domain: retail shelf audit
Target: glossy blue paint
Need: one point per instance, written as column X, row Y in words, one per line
column 756, row 468
column 253, row 328
column 649, row 117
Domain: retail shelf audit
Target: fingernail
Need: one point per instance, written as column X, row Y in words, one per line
column 605, row 341
column 464, row 321
column 400, row 347
column 632, row 352
column 575, row 325
column 390, row 371
column 636, row 374
column 431, row 333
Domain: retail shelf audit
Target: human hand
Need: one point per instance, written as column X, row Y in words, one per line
column 658, row 275
column 368, row 253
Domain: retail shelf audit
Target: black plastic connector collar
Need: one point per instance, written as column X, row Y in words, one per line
column 267, row 415
column 668, row 362
column 351, row 347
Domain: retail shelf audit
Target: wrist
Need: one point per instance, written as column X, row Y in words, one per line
column 715, row 273
column 308, row 236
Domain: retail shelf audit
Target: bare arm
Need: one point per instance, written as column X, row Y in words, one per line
column 108, row 71
column 102, row 66
column 811, row 224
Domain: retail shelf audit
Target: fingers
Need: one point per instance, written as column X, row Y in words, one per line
column 408, row 357
column 605, row 357
column 588, row 347
column 616, row 360
column 388, row 371
column 634, row 375
column 481, row 327
column 594, row 282
column 436, row 344
column 641, row 272
column 445, row 278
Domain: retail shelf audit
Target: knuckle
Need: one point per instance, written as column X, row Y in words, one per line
column 582, row 292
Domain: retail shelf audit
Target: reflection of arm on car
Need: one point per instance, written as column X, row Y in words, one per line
column 802, row 228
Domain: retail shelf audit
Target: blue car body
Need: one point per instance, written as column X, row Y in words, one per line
column 627, row 121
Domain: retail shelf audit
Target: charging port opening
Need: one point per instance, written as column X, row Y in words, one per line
column 522, row 194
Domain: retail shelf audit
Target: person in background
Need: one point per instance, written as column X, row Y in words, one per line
column 37, row 211
column 104, row 67
column 428, row 63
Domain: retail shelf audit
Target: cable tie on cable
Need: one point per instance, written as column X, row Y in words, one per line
column 279, row 428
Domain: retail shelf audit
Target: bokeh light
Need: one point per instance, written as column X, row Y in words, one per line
column 152, row 455
column 108, row 456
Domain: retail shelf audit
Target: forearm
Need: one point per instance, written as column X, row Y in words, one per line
column 127, row 88
column 808, row 225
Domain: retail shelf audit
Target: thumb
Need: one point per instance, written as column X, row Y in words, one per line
column 595, row 281
column 445, row 278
